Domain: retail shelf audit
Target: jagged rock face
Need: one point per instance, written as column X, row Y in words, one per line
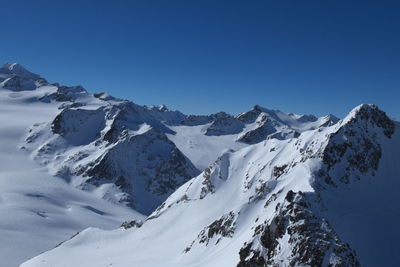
column 373, row 115
column 224, row 124
column 308, row 240
column 224, row 227
column 354, row 149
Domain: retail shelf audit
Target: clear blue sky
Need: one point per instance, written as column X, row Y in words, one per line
column 205, row 56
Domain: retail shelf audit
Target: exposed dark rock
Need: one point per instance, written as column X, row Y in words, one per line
column 377, row 117
column 250, row 257
column 208, row 186
column 279, row 170
column 312, row 241
column 133, row 223
column 220, row 228
column 261, row 191
column 355, row 143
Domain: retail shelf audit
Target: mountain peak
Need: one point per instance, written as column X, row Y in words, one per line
column 364, row 112
column 18, row 70
column 373, row 114
column 259, row 108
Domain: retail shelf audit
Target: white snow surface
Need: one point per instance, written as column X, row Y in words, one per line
column 37, row 210
column 202, row 149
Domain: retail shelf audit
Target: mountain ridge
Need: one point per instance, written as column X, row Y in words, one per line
column 269, row 210
column 260, row 188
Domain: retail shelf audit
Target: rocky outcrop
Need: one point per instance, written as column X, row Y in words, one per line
column 223, row 227
column 131, row 224
column 308, row 240
column 354, row 149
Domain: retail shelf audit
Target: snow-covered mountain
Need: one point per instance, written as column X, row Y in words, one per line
column 139, row 155
column 117, row 149
column 262, row 188
column 325, row 198
column 37, row 210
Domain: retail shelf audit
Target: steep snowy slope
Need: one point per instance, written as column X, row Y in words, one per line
column 325, row 198
column 118, row 150
column 39, row 211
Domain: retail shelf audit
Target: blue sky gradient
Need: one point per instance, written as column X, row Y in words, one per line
column 205, row 56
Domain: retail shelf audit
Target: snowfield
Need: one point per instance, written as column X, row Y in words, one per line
column 39, row 211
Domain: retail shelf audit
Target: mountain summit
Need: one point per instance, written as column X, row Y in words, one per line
column 18, row 70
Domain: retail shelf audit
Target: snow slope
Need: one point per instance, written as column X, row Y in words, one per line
column 37, row 210
column 324, row 198
column 276, row 189
column 201, row 149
